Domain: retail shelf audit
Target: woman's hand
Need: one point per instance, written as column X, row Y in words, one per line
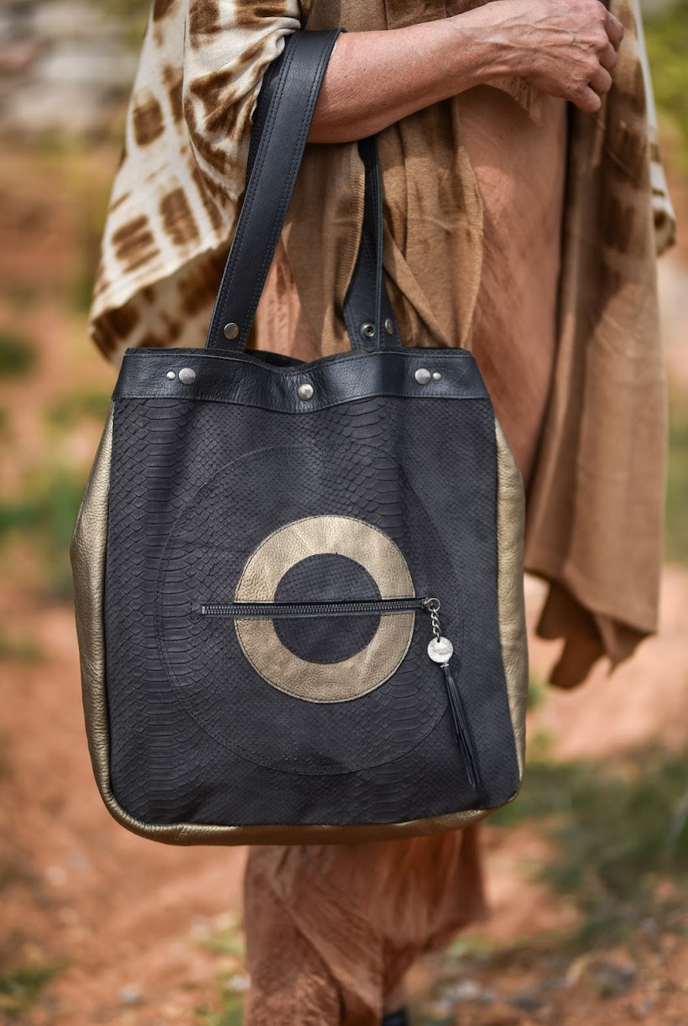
column 564, row 47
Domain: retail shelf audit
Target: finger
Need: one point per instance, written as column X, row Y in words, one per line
column 587, row 100
column 608, row 58
column 601, row 81
column 615, row 30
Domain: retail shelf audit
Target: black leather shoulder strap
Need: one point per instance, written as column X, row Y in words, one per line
column 368, row 312
column 301, row 69
column 282, row 119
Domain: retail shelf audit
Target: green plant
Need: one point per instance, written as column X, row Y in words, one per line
column 537, row 691
column 76, row 406
column 618, row 828
column 230, row 1013
column 21, row 987
column 676, row 535
column 17, row 355
column 46, row 515
column 21, row 650
column 666, row 31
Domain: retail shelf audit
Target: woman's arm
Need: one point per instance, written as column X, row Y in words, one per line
column 564, row 47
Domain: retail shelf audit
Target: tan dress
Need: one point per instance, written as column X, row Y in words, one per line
column 474, row 233
column 331, row 930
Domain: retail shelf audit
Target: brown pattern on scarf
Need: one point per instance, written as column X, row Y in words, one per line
column 200, row 288
column 204, row 194
column 217, row 90
column 134, row 242
column 119, row 201
column 251, row 15
column 204, row 20
column 215, row 156
column 173, row 81
column 161, row 8
column 148, row 120
column 177, row 218
column 119, row 326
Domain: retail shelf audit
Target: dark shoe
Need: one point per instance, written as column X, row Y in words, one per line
column 398, row 1018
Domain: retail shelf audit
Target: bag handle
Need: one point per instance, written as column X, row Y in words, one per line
column 282, row 121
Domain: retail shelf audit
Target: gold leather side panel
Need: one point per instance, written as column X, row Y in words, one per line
column 510, row 591
column 88, row 564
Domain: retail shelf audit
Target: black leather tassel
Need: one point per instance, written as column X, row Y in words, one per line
column 463, row 735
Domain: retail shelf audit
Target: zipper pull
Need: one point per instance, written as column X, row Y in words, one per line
column 440, row 650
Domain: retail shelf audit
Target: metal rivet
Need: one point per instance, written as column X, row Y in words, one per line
column 171, row 375
column 187, row 376
column 389, row 326
column 423, row 376
column 231, row 330
column 436, row 376
column 305, row 391
column 368, row 330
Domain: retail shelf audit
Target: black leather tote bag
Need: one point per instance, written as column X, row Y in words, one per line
column 299, row 586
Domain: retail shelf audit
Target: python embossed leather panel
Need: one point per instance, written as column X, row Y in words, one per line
column 192, row 497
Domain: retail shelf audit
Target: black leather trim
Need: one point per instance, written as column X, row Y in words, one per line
column 246, row 379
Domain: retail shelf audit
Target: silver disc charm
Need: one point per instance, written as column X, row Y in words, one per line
column 440, row 650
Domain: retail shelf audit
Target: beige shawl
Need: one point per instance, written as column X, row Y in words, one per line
column 596, row 502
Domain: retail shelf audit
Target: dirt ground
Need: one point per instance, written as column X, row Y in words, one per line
column 138, row 933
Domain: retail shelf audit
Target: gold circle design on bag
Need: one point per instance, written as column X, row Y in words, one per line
column 373, row 664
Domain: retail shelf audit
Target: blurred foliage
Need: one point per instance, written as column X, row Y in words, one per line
column 45, row 515
column 17, row 355
column 132, row 15
column 21, row 295
column 92, row 211
column 73, row 407
column 21, row 986
column 20, row 650
column 666, row 32
column 676, row 536
column 619, row 829
column 126, row 9
column 230, row 1013
column 226, row 941
column 538, row 690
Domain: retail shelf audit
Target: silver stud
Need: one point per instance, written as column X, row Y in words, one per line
column 187, row 376
column 368, row 330
column 171, row 375
column 231, row 330
column 305, row 391
column 389, row 326
column 423, row 376
column 436, row 376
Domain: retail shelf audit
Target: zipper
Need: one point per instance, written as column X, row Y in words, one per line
column 352, row 607
column 439, row 649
